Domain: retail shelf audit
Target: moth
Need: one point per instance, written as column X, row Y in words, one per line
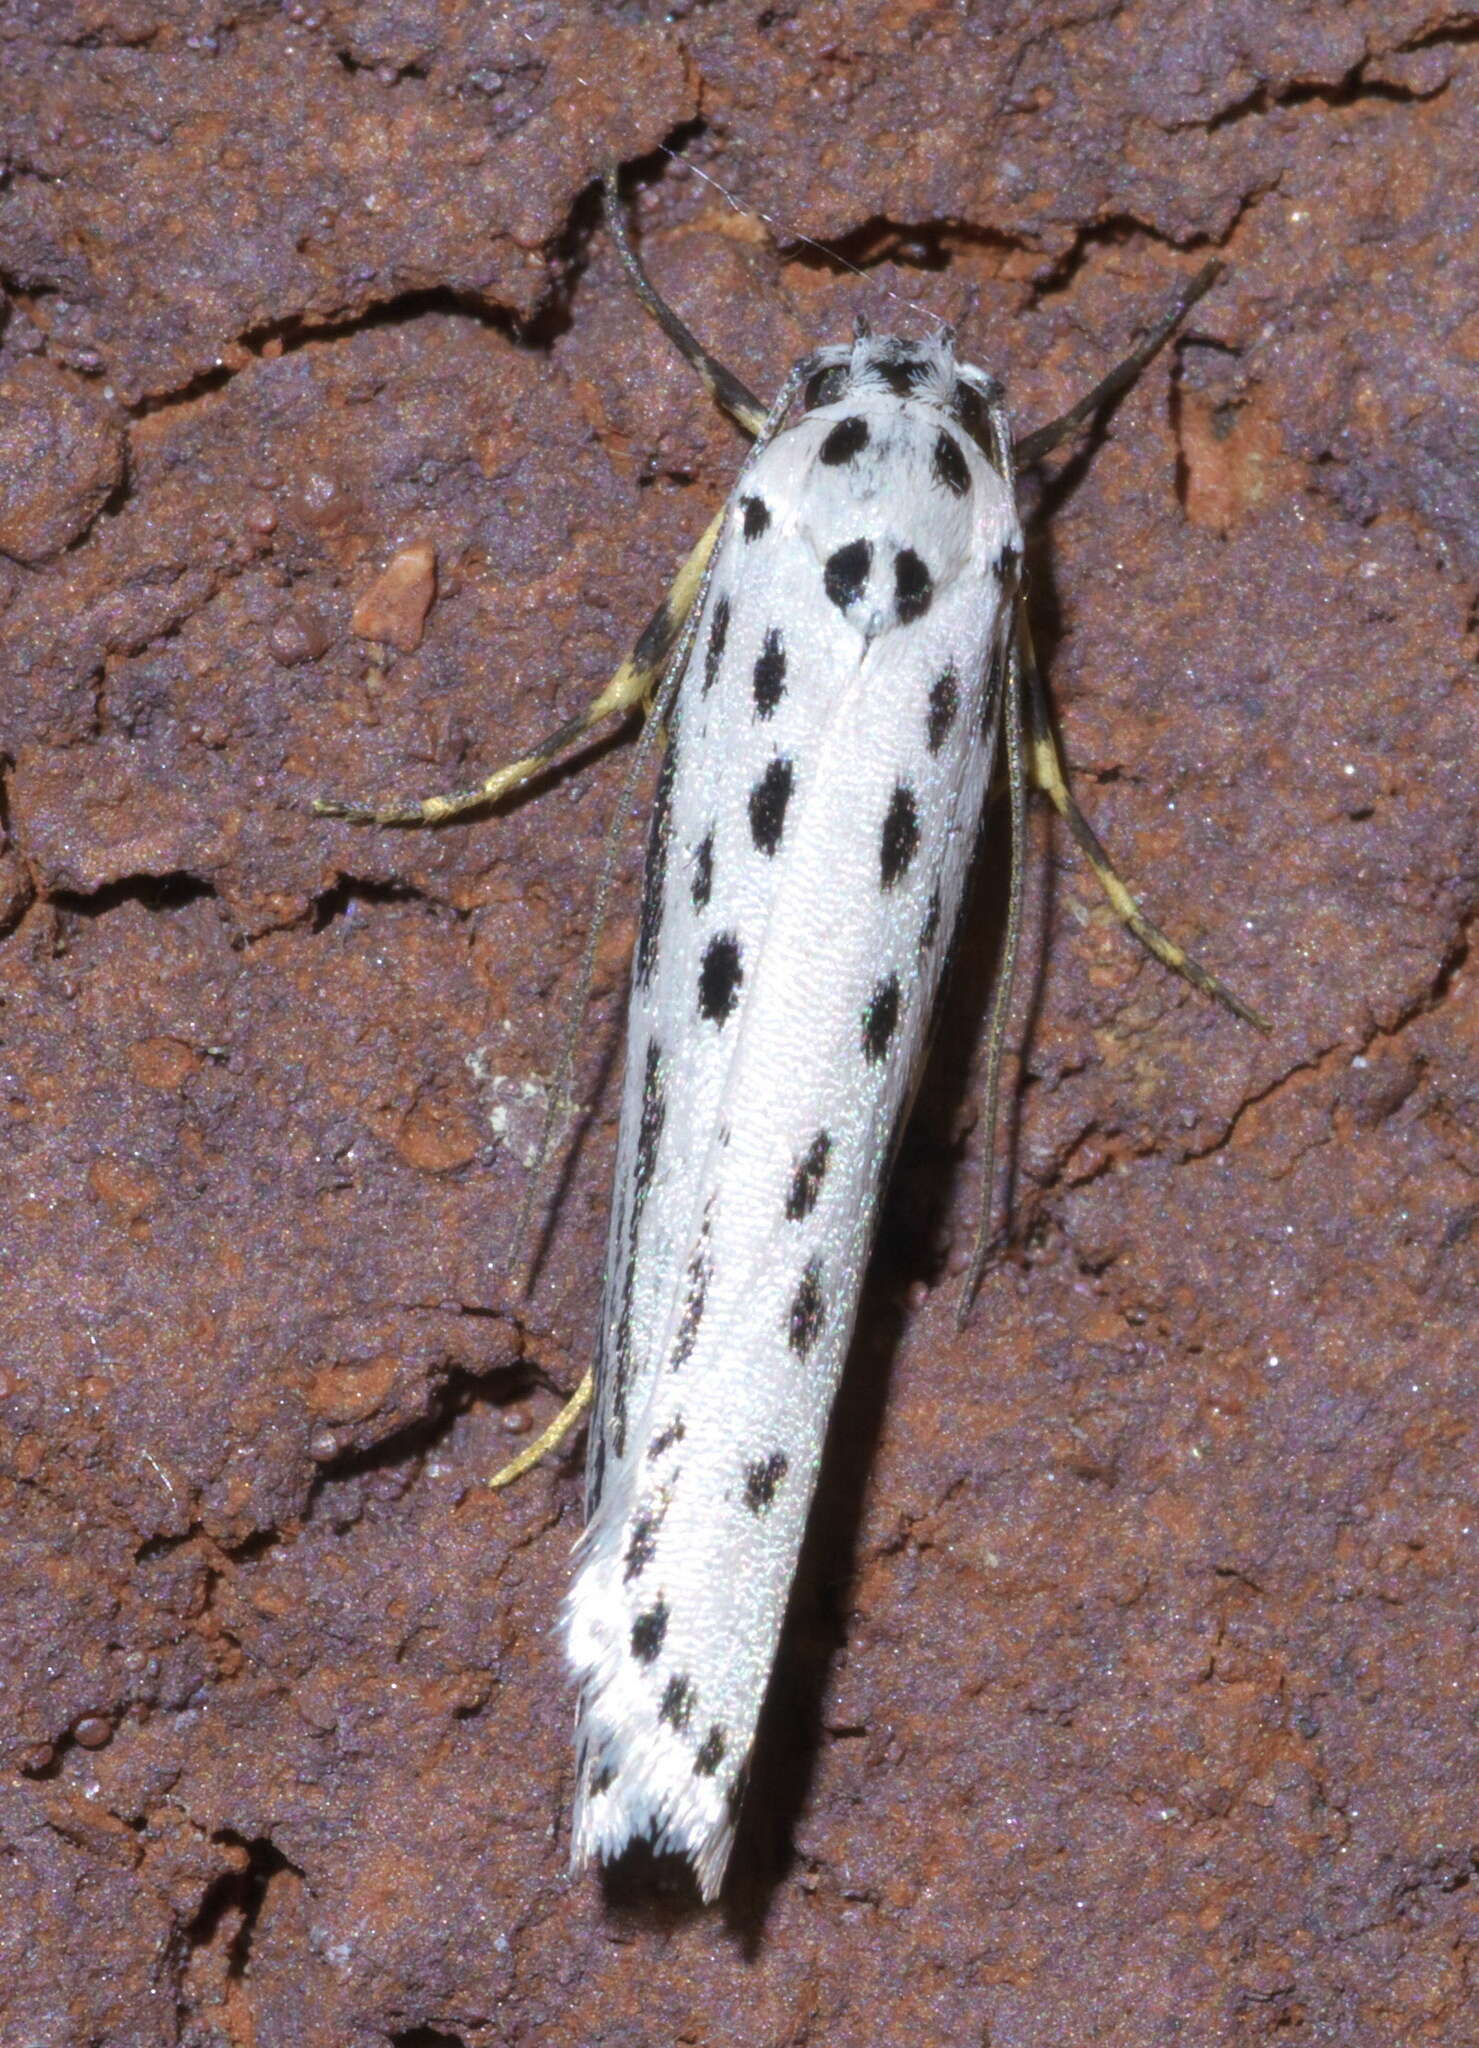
column 831, row 677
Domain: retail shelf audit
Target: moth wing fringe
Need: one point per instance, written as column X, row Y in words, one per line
column 651, row 1794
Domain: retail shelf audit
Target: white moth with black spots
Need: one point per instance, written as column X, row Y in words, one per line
column 830, row 745
column 832, row 670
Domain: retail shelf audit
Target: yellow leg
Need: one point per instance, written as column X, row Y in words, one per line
column 1046, row 768
column 558, row 1430
column 634, row 683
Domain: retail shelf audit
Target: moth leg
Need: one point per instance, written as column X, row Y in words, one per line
column 1031, row 447
column 557, row 1432
column 726, row 390
column 635, row 682
column 1046, row 767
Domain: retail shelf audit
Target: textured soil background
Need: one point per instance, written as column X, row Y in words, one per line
column 1129, row 1695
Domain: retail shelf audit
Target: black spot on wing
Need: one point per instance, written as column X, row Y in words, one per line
column 601, row 1779
column 761, row 1480
column 664, row 1441
column 929, row 930
column 899, row 840
column 677, row 1702
column 650, row 1122
column 846, row 441
column 649, row 1131
column 770, row 674
column 642, row 1544
column 654, row 880
column 880, row 1019
column 648, row 1631
column 621, row 1378
column 710, row 1752
column 944, row 705
column 846, row 572
column 719, row 977
column 702, row 885
column 757, row 517
column 696, row 1280
column 808, row 1310
column 949, row 464
column 913, row 587
column 806, row 1181
column 718, row 634
column 768, row 801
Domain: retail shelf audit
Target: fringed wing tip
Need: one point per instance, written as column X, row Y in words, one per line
column 635, row 1777
column 601, row 1836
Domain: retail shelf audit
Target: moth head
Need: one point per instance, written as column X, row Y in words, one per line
column 926, row 370
column 891, row 365
column 880, row 364
column 899, row 368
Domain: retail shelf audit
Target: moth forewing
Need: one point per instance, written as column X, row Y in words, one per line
column 830, row 746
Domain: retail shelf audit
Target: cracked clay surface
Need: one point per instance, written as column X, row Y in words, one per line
column 1128, row 1695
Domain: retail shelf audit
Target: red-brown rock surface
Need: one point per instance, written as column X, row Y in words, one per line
column 1129, row 1697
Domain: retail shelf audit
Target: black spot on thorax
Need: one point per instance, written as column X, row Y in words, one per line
column 845, row 572
column 904, row 376
column 756, row 517
column 949, row 465
column 913, row 587
column 969, row 408
column 845, row 442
